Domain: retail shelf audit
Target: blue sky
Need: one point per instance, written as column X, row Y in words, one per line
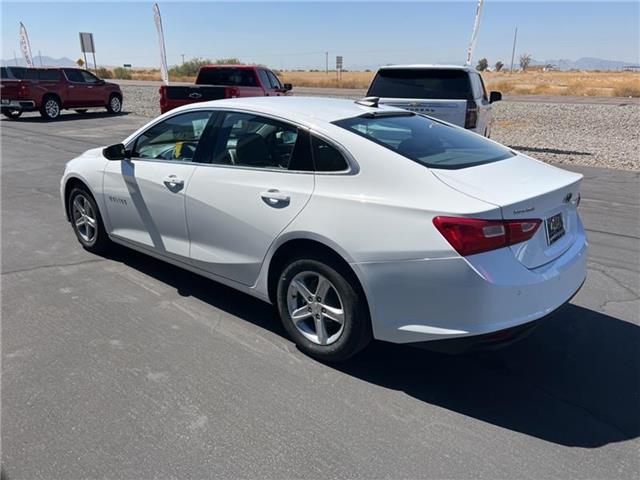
column 296, row 34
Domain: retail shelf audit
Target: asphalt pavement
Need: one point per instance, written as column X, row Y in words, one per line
column 126, row 367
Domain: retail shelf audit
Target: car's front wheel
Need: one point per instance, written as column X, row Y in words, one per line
column 12, row 113
column 86, row 221
column 323, row 309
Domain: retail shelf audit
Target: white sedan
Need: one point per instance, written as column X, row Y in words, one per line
column 357, row 221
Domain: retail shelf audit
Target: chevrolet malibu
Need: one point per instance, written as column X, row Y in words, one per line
column 356, row 220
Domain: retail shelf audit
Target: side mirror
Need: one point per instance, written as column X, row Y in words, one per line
column 495, row 97
column 114, row 152
column 287, row 87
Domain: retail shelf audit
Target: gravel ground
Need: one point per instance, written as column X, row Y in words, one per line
column 589, row 134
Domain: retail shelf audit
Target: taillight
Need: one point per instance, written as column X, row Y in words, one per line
column 22, row 90
column 471, row 235
column 233, row 92
column 471, row 117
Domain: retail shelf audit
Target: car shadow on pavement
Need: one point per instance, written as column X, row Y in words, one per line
column 66, row 116
column 574, row 381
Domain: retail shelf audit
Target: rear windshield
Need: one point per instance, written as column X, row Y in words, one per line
column 426, row 141
column 413, row 83
column 228, row 77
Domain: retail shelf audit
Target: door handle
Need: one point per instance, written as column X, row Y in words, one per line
column 72, row 86
column 172, row 181
column 276, row 198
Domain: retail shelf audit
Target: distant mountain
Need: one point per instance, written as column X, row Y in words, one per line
column 46, row 62
column 585, row 63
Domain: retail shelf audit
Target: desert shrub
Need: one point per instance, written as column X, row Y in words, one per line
column 122, row 73
column 104, row 73
column 628, row 88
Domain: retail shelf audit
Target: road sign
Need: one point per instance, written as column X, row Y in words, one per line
column 86, row 43
column 127, row 65
column 339, row 62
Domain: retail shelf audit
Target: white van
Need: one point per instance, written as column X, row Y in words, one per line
column 455, row 94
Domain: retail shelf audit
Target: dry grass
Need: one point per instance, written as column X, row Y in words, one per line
column 622, row 84
column 327, row 80
column 565, row 83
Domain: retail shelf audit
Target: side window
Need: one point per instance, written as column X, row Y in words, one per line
column 176, row 138
column 477, row 86
column 88, row 77
column 483, row 88
column 275, row 83
column 49, row 75
column 327, row 158
column 264, row 78
column 248, row 140
column 74, row 76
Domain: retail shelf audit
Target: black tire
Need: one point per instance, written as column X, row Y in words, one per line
column 356, row 330
column 114, row 105
column 51, row 107
column 100, row 242
column 81, row 110
column 12, row 113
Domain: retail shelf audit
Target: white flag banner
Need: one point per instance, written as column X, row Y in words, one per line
column 25, row 46
column 474, row 33
column 164, row 71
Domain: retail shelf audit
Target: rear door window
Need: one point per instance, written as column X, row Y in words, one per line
column 74, row 75
column 427, row 141
column 249, row 140
column 421, row 83
column 264, row 78
column 478, row 87
column 49, row 75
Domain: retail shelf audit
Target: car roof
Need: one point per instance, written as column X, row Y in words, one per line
column 307, row 110
column 427, row 66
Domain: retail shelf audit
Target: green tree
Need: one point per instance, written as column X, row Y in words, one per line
column 482, row 65
column 499, row 65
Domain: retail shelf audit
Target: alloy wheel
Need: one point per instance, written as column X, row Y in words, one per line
column 84, row 219
column 315, row 308
column 115, row 104
column 52, row 108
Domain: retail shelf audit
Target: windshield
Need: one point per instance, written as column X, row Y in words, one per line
column 439, row 84
column 426, row 141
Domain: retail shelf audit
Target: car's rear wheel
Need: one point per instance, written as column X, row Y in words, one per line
column 81, row 110
column 51, row 108
column 12, row 113
column 86, row 221
column 115, row 104
column 323, row 309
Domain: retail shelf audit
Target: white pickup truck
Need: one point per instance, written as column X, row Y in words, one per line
column 451, row 93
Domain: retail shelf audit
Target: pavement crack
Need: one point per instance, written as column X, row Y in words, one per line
column 54, row 265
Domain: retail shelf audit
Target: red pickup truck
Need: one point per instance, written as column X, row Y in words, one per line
column 215, row 82
column 50, row 90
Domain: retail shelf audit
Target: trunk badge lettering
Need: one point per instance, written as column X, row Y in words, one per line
column 524, row 210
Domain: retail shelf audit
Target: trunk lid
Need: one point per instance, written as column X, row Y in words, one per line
column 451, row 111
column 525, row 188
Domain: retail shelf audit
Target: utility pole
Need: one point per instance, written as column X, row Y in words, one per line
column 182, row 55
column 326, row 62
column 513, row 52
column 40, row 57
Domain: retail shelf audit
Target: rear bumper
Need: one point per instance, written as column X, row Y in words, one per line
column 455, row 297
column 21, row 104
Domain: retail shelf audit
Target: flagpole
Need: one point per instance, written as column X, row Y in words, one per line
column 164, row 71
column 474, row 32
